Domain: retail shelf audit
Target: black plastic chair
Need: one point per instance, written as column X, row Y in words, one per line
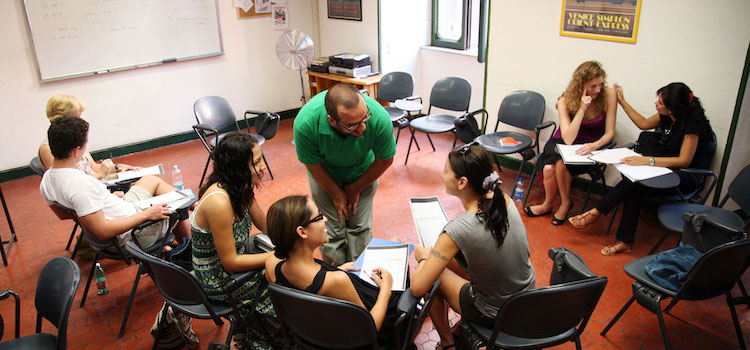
column 714, row 274
column 525, row 110
column 396, row 86
column 670, row 214
column 547, row 316
column 182, row 292
column 55, row 290
column 453, row 94
column 214, row 115
column 36, row 166
column 266, row 125
column 319, row 322
column 110, row 249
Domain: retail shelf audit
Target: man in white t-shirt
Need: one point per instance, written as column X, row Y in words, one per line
column 106, row 214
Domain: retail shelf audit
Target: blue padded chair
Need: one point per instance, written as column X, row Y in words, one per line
column 453, row 94
column 55, row 290
column 714, row 274
column 525, row 110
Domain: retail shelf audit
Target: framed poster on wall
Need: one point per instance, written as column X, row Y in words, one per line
column 345, row 9
column 613, row 20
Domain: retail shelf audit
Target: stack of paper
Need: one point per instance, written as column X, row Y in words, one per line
column 393, row 258
column 637, row 173
column 508, row 141
column 569, row 156
column 174, row 199
column 429, row 219
column 613, row 156
column 134, row 174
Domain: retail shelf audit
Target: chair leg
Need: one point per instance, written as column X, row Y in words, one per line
column 528, row 189
column 398, row 133
column 72, row 234
column 663, row 327
column 617, row 317
column 88, row 281
column 231, row 330
column 416, row 142
column 661, row 240
column 742, row 288
column 588, row 195
column 430, row 139
column 735, row 321
column 455, row 139
column 267, row 166
column 204, row 171
column 515, row 180
column 411, row 140
column 75, row 249
column 578, row 342
column 130, row 301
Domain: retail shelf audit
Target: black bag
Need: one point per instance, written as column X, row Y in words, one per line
column 563, row 258
column 651, row 143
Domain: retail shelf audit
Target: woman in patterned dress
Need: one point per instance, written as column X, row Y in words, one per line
column 220, row 225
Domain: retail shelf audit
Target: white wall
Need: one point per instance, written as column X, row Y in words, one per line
column 700, row 43
column 136, row 105
column 434, row 64
column 405, row 28
column 340, row 35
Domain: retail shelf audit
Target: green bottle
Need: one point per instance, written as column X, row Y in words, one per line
column 101, row 281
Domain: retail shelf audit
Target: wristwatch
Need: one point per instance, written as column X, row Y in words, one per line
column 652, row 161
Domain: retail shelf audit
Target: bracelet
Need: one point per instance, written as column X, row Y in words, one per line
column 420, row 260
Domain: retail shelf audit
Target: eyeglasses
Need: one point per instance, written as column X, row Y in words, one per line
column 350, row 128
column 310, row 221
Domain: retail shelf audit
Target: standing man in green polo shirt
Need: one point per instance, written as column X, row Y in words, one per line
column 345, row 140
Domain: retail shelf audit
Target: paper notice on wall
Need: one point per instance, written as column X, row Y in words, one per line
column 279, row 11
column 245, row 5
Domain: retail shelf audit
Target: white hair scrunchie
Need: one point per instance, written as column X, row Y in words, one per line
column 490, row 180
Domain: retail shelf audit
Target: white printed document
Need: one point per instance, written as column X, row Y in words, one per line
column 569, row 155
column 393, row 258
column 174, row 199
column 134, row 174
column 613, row 156
column 429, row 219
column 637, row 173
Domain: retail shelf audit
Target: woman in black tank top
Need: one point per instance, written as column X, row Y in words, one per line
column 297, row 228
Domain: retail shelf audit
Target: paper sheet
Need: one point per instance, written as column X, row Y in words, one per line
column 134, row 174
column 429, row 219
column 569, row 156
column 641, row 172
column 174, row 199
column 613, row 156
column 392, row 258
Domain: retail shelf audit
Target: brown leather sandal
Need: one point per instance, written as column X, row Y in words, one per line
column 614, row 250
column 587, row 218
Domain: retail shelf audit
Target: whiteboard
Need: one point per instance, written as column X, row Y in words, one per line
column 73, row 38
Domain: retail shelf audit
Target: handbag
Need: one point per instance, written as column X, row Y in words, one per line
column 651, row 143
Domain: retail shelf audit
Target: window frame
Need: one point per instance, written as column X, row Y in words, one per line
column 463, row 42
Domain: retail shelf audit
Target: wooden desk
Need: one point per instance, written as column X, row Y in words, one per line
column 323, row 81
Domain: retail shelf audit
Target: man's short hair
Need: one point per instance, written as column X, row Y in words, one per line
column 66, row 133
column 341, row 94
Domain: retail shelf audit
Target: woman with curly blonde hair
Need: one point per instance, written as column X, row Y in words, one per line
column 587, row 111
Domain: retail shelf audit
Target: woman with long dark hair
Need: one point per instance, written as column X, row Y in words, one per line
column 682, row 142
column 297, row 228
column 482, row 256
column 220, row 226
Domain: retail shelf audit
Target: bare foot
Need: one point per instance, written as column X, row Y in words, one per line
column 584, row 219
column 617, row 248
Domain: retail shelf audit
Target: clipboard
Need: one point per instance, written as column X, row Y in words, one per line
column 174, row 199
column 429, row 219
column 394, row 258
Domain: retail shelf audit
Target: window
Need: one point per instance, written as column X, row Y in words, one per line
column 457, row 24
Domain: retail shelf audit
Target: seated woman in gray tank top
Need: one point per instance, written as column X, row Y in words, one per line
column 482, row 256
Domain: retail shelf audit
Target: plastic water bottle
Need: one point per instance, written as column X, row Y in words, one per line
column 101, row 281
column 518, row 192
column 177, row 178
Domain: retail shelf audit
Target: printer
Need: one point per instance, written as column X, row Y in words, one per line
column 350, row 65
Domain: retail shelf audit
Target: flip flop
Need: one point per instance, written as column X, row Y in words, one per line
column 613, row 250
column 529, row 213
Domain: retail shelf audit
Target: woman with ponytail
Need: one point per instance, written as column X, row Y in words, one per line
column 482, row 256
column 683, row 142
column 220, row 227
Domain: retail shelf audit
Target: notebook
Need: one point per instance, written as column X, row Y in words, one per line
column 569, row 156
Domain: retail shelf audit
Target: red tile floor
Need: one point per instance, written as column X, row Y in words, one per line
column 41, row 236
